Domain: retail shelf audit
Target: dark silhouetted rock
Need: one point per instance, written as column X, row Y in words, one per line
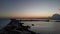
column 32, row 24
column 16, row 27
column 56, row 17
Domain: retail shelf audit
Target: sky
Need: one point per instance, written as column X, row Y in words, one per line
column 29, row 8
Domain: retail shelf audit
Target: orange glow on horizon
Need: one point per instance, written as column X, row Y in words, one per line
column 32, row 16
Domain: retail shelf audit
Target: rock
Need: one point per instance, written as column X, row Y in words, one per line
column 14, row 27
column 56, row 17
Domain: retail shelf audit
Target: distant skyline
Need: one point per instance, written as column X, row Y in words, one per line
column 29, row 8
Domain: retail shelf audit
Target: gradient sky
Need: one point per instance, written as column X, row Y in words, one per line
column 29, row 8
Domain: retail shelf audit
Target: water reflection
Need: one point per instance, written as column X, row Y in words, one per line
column 44, row 27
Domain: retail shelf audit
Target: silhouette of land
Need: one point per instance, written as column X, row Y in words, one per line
column 55, row 18
column 16, row 27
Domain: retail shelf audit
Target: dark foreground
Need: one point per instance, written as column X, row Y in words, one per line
column 16, row 27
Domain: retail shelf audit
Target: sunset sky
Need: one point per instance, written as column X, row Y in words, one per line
column 29, row 8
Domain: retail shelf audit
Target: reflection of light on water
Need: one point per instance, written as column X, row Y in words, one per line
column 39, row 24
column 43, row 26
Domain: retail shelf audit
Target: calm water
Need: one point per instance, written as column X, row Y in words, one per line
column 39, row 26
column 44, row 27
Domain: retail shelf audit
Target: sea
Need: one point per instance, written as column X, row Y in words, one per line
column 41, row 27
